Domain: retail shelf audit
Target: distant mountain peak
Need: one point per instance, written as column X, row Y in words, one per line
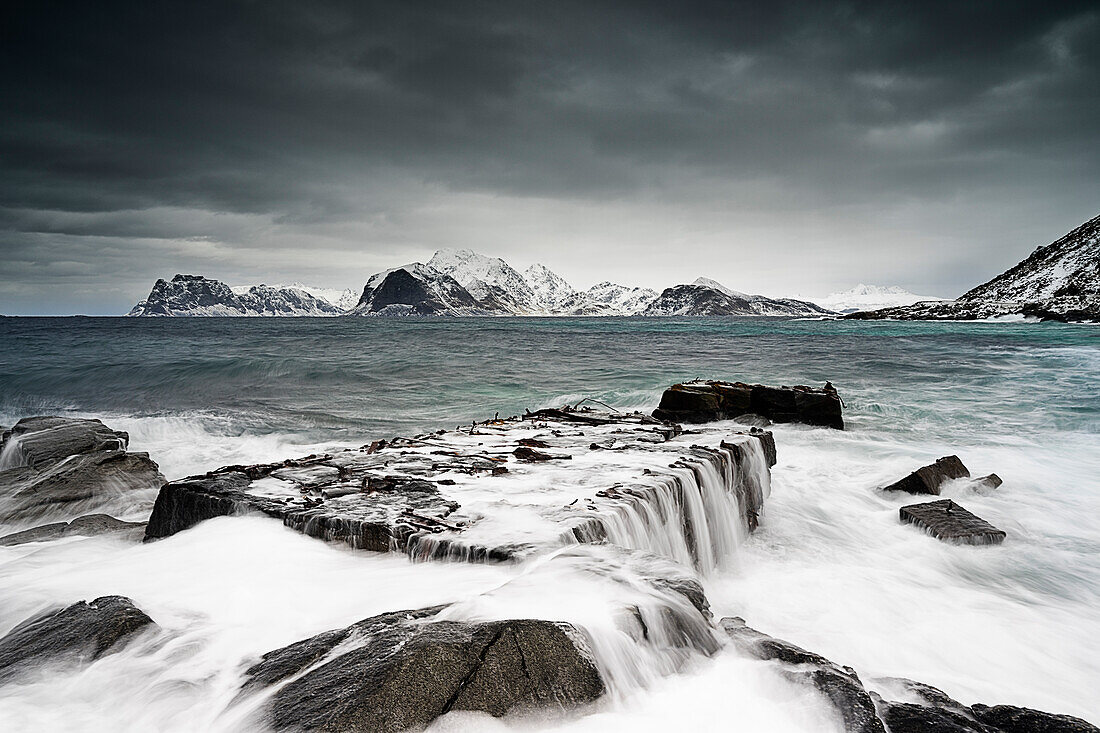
column 871, row 297
column 706, row 282
column 1059, row 281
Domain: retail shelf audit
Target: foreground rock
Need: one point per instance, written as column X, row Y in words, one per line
column 427, row 495
column 400, row 671
column 864, row 711
column 937, row 712
column 87, row 526
column 841, row 686
column 707, row 401
column 37, row 441
column 929, row 479
column 81, row 632
column 65, row 467
column 945, row 520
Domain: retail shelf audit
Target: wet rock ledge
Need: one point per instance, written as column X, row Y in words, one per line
column 426, row 495
column 704, row 401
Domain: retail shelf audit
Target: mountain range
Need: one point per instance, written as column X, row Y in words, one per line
column 1059, row 281
column 460, row 283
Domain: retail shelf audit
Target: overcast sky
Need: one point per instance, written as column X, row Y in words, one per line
column 780, row 148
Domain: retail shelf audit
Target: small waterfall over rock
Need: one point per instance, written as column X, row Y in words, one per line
column 697, row 514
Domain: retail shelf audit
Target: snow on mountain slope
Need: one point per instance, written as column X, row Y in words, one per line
column 343, row 299
column 195, row 295
column 706, row 282
column 706, row 297
column 552, row 293
column 621, row 299
column 488, row 279
column 1060, row 281
column 871, row 297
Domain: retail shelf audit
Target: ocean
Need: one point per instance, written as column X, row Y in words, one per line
column 830, row 567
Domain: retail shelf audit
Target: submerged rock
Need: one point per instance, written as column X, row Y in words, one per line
column 929, row 479
column 841, row 686
column 400, row 671
column 1012, row 719
column 863, row 711
column 707, row 401
column 81, row 632
column 945, row 520
column 937, row 712
column 86, row 526
column 987, row 483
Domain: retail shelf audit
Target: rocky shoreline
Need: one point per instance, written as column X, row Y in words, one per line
column 650, row 504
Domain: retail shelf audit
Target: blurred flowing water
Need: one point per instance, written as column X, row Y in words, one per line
column 830, row 568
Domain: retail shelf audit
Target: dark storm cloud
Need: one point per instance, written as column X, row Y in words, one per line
column 126, row 124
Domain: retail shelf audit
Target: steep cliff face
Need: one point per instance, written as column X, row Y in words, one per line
column 1060, row 281
column 416, row 290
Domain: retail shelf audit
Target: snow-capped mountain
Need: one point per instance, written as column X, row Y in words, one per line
column 871, row 297
column 705, row 297
column 552, row 292
column 416, row 290
column 621, row 299
column 194, row 295
column 1060, row 281
column 490, row 280
column 458, row 283
column 345, row 299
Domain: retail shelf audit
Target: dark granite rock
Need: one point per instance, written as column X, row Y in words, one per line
column 841, row 686
column 861, row 711
column 400, row 671
column 74, row 485
column 63, row 467
column 706, row 401
column 376, row 525
column 903, row 717
column 1011, row 719
column 927, row 480
column 86, row 526
column 82, row 632
column 987, row 483
column 947, row 521
column 35, row 441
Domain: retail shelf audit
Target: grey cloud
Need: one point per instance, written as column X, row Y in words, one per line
column 356, row 127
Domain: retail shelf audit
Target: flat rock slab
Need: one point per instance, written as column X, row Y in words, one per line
column 81, row 632
column 706, row 401
column 74, row 485
column 34, row 441
column 400, row 671
column 945, row 520
column 86, row 526
column 929, row 479
column 60, row 468
column 440, row 494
